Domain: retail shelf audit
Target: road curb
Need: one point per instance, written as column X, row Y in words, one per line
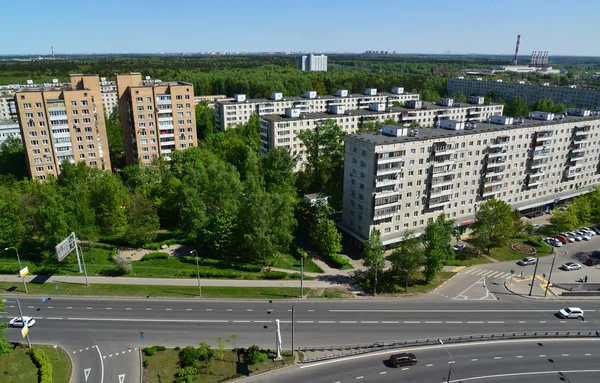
column 529, row 297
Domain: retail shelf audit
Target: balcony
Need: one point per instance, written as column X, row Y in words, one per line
column 496, row 160
column 540, row 154
column 578, row 150
column 439, row 192
column 534, row 184
column 438, row 181
column 442, row 161
column 386, row 182
column 536, row 175
column 494, row 181
column 581, row 139
column 500, row 142
column 443, row 173
column 443, row 150
column 490, row 191
column 438, row 202
column 384, row 213
column 385, row 171
column 538, row 164
column 496, row 154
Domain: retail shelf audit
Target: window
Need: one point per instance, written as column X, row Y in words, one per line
column 38, row 104
column 90, row 146
column 75, row 112
column 39, row 168
column 40, row 115
column 27, row 106
column 73, row 103
column 28, row 115
column 139, row 99
column 178, row 97
column 148, row 99
column 83, row 102
column 85, row 111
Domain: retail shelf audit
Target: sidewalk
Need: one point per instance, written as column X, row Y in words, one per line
column 522, row 286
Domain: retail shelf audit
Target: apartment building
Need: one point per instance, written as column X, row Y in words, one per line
column 403, row 178
column 583, row 98
column 238, row 111
column 312, row 62
column 63, row 122
column 9, row 128
column 8, row 108
column 110, row 99
column 157, row 118
column 282, row 130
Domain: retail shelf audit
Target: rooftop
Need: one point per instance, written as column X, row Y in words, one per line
column 437, row 133
column 323, row 97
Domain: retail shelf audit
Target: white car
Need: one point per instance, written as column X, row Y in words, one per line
column 553, row 242
column 575, row 236
column 585, row 236
column 588, row 231
column 571, row 312
column 527, row 261
column 571, row 266
column 17, row 322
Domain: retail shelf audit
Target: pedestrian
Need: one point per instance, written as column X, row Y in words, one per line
column 585, row 280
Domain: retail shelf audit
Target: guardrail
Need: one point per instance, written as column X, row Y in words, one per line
column 357, row 349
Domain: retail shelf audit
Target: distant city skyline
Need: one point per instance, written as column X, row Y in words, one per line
column 186, row 26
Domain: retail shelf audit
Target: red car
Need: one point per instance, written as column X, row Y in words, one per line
column 561, row 238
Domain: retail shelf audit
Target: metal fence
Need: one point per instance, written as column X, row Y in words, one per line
column 357, row 349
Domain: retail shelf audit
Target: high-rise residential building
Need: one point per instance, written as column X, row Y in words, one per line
column 238, row 111
column 9, row 128
column 581, row 98
column 281, row 131
column 312, row 63
column 110, row 100
column 8, row 108
column 157, row 117
column 63, row 122
column 403, row 178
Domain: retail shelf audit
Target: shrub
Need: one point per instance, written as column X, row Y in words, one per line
column 187, row 371
column 338, row 261
column 122, row 263
column 150, row 351
column 188, row 356
column 155, row 255
column 255, row 355
column 275, row 275
column 40, row 359
column 160, row 348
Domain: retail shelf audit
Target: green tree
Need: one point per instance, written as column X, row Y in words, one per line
column 518, row 223
column 205, row 120
column 122, row 263
column 436, row 241
column 517, row 107
column 407, row 259
column 12, row 157
column 373, row 256
column 583, row 209
column 277, row 171
column 370, row 126
column 493, row 225
column 323, row 232
column 108, row 197
column 5, row 346
column 142, row 220
column 594, row 197
column 12, row 229
column 564, row 218
column 114, row 135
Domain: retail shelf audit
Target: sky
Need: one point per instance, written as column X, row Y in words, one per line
column 405, row 26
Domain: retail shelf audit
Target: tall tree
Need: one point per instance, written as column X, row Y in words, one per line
column 583, row 209
column 518, row 223
column 373, row 256
column 12, row 157
column 564, row 218
column 114, row 134
column 407, row 258
column 109, row 197
column 493, row 225
column 277, row 170
column 436, row 241
column 517, row 107
column 142, row 220
column 323, row 232
column 594, row 197
column 205, row 120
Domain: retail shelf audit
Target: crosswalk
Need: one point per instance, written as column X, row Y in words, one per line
column 487, row 273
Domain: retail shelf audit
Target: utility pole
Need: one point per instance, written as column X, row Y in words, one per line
column 198, row 268
column 87, row 283
column 537, row 261
column 292, row 330
column 550, row 275
column 375, row 284
column 24, row 324
column 301, row 277
column 278, row 340
column 451, row 360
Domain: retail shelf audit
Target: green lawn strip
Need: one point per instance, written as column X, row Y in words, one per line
column 166, row 363
column 288, row 261
column 329, row 292
column 153, row 291
column 18, row 367
column 419, row 286
column 505, row 253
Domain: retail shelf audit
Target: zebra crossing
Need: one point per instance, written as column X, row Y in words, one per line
column 475, row 271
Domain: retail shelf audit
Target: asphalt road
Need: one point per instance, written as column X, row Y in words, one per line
column 534, row 361
column 104, row 334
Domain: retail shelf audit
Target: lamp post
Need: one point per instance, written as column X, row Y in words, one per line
column 451, row 361
column 20, row 266
column 198, row 268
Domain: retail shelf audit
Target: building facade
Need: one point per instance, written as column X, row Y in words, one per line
column 312, row 62
column 281, row 131
column 157, row 118
column 403, row 178
column 8, row 108
column 9, row 128
column 64, row 122
column 234, row 112
column 582, row 98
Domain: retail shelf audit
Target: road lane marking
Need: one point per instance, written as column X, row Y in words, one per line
column 326, row 321
column 542, row 355
column 389, row 321
column 229, row 309
column 451, row 362
column 474, row 360
column 151, row 320
column 369, row 321
column 50, row 307
column 444, row 311
column 411, row 321
column 69, row 307
column 208, row 309
column 497, row 357
column 109, row 308
column 262, row 321
column 493, row 274
column 188, row 309
column 521, row 374
column 127, row 308
column 241, row 321
column 433, row 322
column 588, row 354
column 470, row 271
column 168, row 309
column 382, row 373
column 453, row 321
column 54, row 318
column 457, row 269
column 475, row 322
column 249, row 310
column 30, row 307
column 565, row 355
column 148, row 308
column 542, row 321
column 310, row 311
column 101, row 364
column 305, row 321
column 429, row 365
column 519, row 356
column 347, row 321
column 359, row 377
column 88, row 308
column 522, row 321
column 495, row 321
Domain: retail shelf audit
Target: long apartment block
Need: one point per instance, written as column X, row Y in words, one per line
column 403, row 178
column 582, row 98
column 157, row 118
column 63, row 122
column 238, row 111
column 282, row 130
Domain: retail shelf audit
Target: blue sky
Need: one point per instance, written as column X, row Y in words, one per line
column 406, row 26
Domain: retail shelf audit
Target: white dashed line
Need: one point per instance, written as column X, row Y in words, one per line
column 30, row 307
column 453, row 321
column 433, row 322
column 497, row 357
column 475, row 322
column 565, row 355
column 495, row 322
column 382, row 373
column 542, row 321
column 50, row 307
column 262, row 321
column 519, row 356
column 451, row 362
column 69, row 307
column 389, row 321
column 208, row 309
column 522, row 321
column 305, row 321
column 474, row 360
column 229, row 309
column 249, row 310
column 369, row 321
column 359, row 377
column 310, row 311
column 51, row 318
column 127, row 308
column 326, row 321
column 241, row 321
column 588, row 354
column 429, row 365
column 347, row 321
column 148, row 309
column 542, row 356
column 405, row 368
column 88, row 308
column 411, row 322
column 109, row 308
column 188, row 309
column 168, row 309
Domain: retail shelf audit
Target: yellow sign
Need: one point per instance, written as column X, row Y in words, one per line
column 24, row 271
column 24, row 331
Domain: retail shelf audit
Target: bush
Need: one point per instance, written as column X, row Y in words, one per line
column 155, row 255
column 255, row 355
column 40, row 359
column 338, row 261
column 151, row 351
column 275, row 275
column 122, row 263
column 187, row 371
column 188, row 356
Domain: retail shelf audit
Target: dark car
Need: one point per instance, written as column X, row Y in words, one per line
column 591, row 262
column 403, row 359
column 596, row 254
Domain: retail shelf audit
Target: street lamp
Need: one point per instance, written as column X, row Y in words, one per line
column 198, row 267
column 550, row 275
column 16, row 251
column 451, row 360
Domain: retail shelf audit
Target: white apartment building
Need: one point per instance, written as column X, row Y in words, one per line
column 8, row 108
column 583, row 98
column 110, row 98
column 312, row 62
column 282, row 130
column 403, row 178
column 238, row 111
column 9, row 128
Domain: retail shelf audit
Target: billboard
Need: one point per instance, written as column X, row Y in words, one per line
column 65, row 247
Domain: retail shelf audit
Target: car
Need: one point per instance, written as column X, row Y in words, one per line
column 561, row 238
column 553, row 242
column 575, row 236
column 596, row 254
column 584, row 236
column 535, row 226
column 570, row 266
column 591, row 261
column 459, row 247
column 527, row 261
column 571, row 312
column 18, row 322
column 595, row 229
column 588, row 231
column 403, row 359
column 569, row 237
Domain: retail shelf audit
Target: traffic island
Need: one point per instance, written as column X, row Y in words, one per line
column 21, row 366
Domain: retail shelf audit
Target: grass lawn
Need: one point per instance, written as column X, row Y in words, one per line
column 166, row 363
column 419, row 286
column 146, row 291
column 17, row 367
column 288, row 261
column 505, row 253
column 330, row 292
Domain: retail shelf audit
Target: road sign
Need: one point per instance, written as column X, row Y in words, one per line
column 65, row 247
column 86, row 373
column 24, row 330
column 121, row 378
column 24, row 271
column 56, row 287
column 141, row 337
column 43, row 299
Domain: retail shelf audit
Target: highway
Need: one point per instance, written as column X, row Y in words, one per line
column 104, row 334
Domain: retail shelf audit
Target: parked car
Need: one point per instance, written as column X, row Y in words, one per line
column 592, row 261
column 403, row 359
column 570, row 266
column 459, row 247
column 18, row 322
column 536, row 226
column 596, row 254
column 584, row 236
column 595, row 229
column 527, row 261
column 561, row 238
column 569, row 237
column 587, row 230
column 575, row 236
column 571, row 312
column 553, row 242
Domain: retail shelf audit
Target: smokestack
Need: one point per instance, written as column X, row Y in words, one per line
column 52, row 48
column 517, row 50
